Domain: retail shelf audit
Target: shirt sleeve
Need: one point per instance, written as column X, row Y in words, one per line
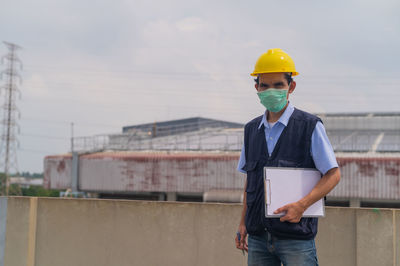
column 321, row 150
column 242, row 161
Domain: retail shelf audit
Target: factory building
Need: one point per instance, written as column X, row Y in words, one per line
column 195, row 159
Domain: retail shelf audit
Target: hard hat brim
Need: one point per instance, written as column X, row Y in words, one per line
column 255, row 74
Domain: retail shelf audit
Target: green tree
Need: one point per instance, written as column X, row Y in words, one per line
column 14, row 190
column 37, row 191
column 2, row 184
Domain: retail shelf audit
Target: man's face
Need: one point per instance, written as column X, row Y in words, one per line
column 274, row 99
column 272, row 80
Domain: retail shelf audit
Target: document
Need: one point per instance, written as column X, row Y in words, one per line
column 287, row 185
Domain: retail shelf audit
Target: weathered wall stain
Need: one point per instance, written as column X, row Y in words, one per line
column 377, row 177
column 61, row 166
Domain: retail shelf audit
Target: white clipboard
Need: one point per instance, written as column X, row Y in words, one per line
column 287, row 185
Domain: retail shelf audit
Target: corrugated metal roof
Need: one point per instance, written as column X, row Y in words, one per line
column 174, row 172
column 368, row 178
column 371, row 177
column 347, row 134
column 180, row 126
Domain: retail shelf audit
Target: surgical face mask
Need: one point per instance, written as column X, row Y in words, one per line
column 273, row 99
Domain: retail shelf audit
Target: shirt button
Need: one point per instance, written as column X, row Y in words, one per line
column 270, row 138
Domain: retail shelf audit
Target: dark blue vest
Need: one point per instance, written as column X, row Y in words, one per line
column 291, row 150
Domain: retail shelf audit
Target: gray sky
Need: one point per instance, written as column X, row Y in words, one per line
column 106, row 64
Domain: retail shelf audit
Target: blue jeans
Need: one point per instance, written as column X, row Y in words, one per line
column 267, row 250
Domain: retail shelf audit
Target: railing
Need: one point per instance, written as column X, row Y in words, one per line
column 224, row 139
column 205, row 139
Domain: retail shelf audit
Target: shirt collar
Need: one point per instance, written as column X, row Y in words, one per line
column 284, row 119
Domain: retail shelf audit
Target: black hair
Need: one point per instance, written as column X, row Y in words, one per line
column 288, row 77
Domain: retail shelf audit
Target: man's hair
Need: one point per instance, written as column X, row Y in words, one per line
column 288, row 77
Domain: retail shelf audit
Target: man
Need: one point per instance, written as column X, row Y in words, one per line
column 282, row 137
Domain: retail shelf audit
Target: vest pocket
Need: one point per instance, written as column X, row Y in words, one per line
column 250, row 168
column 252, row 219
column 250, row 195
column 305, row 229
column 253, row 194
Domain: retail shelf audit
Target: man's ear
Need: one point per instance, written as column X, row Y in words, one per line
column 256, row 86
column 292, row 86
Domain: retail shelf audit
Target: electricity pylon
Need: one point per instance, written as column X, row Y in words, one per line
column 9, row 141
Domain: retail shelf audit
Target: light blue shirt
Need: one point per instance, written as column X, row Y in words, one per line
column 321, row 149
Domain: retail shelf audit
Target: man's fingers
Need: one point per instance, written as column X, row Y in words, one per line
column 281, row 209
column 242, row 242
column 292, row 214
column 239, row 244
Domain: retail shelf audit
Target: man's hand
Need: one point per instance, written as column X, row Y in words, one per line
column 242, row 244
column 293, row 211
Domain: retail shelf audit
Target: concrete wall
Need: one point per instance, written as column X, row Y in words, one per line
column 84, row 232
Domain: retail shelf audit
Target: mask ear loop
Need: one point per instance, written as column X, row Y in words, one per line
column 290, row 77
column 290, row 82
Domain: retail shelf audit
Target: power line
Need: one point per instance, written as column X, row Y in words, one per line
column 36, row 151
column 44, row 137
column 80, row 124
column 128, row 71
column 85, row 70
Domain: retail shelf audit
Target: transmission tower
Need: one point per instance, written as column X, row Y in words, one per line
column 9, row 142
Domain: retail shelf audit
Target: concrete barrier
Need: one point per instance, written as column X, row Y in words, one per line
column 84, row 232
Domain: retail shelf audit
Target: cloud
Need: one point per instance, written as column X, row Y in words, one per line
column 130, row 62
column 191, row 24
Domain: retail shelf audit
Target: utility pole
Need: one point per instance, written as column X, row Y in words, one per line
column 72, row 137
column 9, row 142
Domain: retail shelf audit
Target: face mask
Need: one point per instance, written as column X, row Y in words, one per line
column 273, row 99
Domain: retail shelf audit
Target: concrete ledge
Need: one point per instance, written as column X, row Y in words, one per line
column 97, row 232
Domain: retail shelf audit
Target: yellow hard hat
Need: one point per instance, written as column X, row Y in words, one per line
column 275, row 60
